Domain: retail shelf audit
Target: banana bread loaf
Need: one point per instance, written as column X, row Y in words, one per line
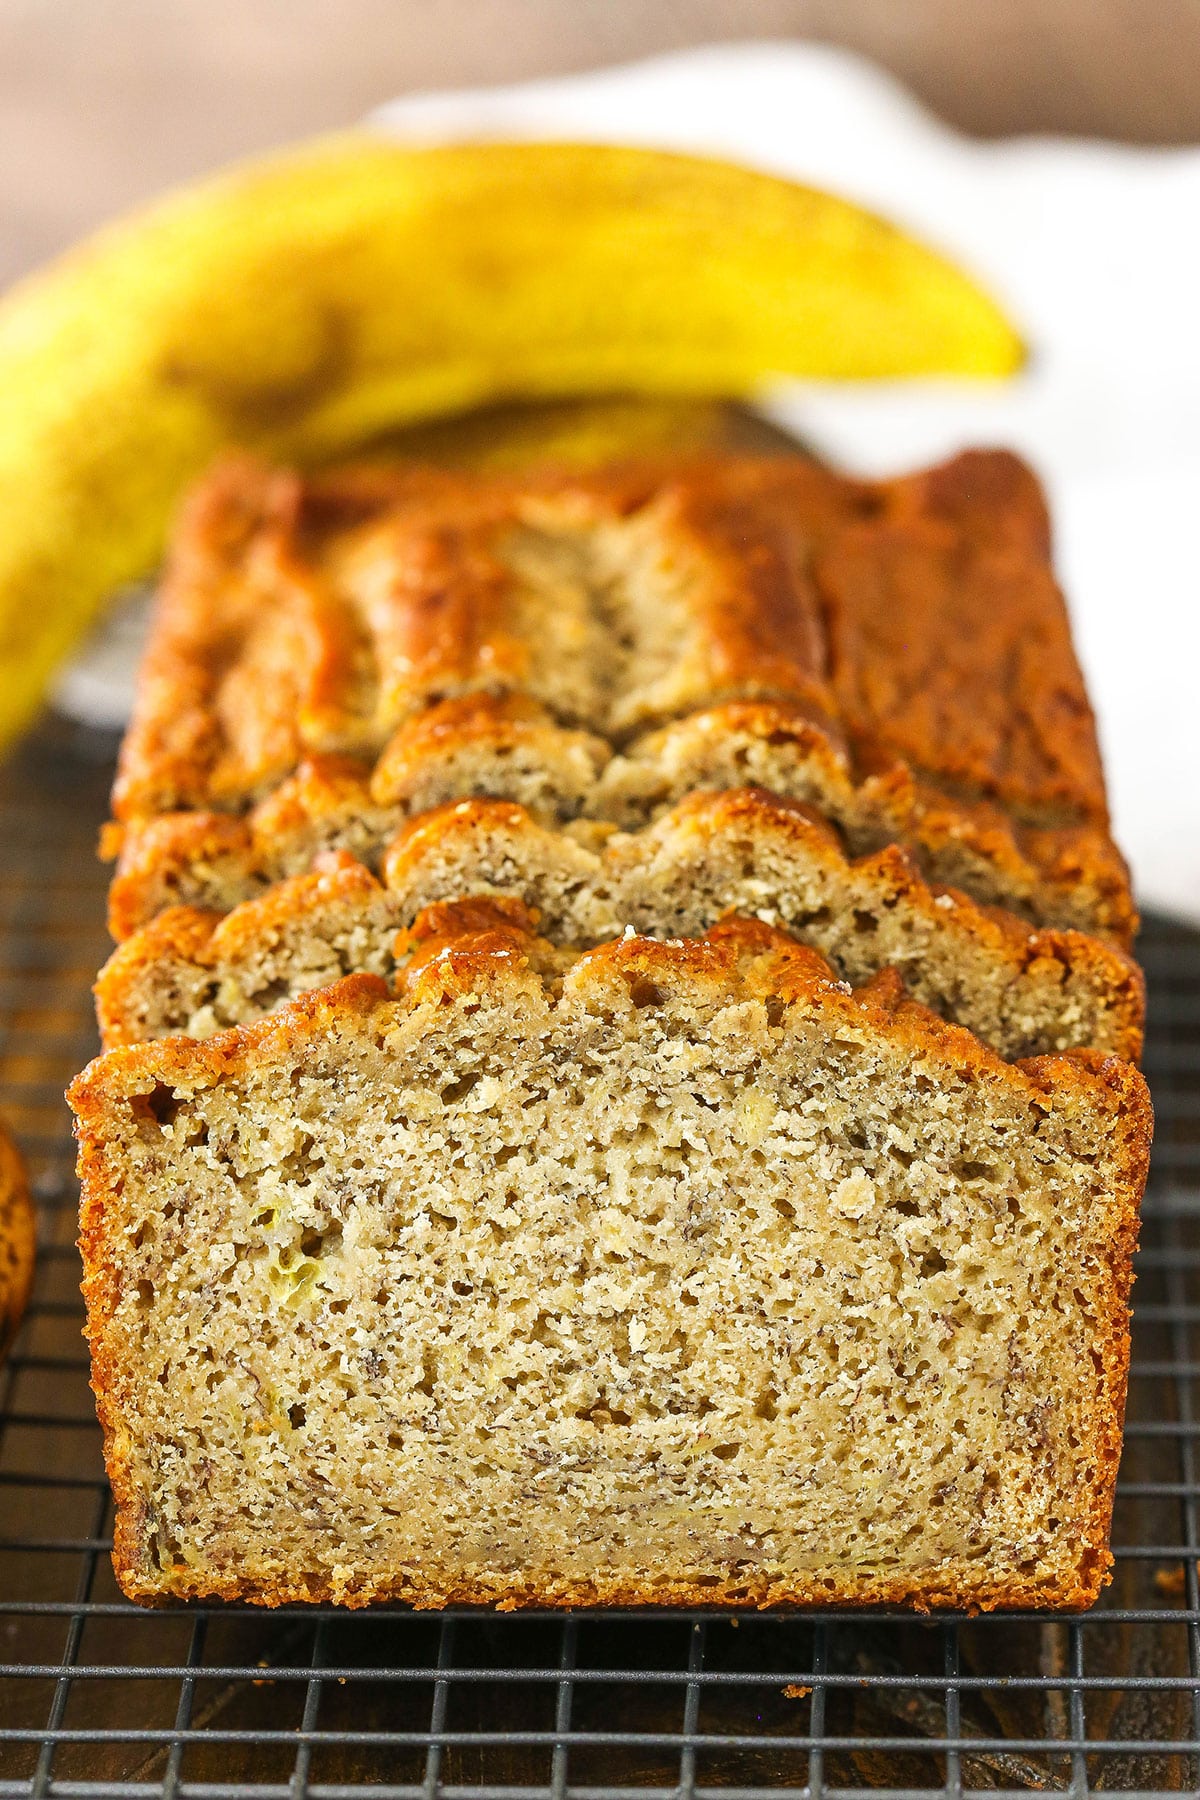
column 676, row 1272
column 332, row 656
column 523, row 1168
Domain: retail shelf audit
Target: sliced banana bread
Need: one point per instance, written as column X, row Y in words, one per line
column 673, row 1273
column 1022, row 990
column 896, row 654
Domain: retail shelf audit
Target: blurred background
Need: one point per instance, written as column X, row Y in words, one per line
column 104, row 102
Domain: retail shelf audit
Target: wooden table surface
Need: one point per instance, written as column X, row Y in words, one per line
column 103, row 102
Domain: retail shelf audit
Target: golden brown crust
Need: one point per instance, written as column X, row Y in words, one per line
column 990, row 494
column 922, row 619
column 188, row 937
column 958, row 697
column 746, row 532
column 164, row 857
column 222, row 859
column 444, row 923
column 915, row 621
column 508, row 747
column 1059, row 874
column 738, row 849
column 693, row 837
column 965, row 1591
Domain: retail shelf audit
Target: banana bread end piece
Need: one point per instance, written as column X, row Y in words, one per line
column 675, row 1273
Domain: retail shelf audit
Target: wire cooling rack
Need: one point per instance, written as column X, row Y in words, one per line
column 99, row 1698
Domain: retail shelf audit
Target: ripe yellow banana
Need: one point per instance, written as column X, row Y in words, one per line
column 302, row 304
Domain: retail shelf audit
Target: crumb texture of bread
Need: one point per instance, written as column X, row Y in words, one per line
column 1023, row 991
column 335, row 654
column 672, row 1272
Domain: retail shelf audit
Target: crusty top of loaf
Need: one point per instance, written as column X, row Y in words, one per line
column 914, row 621
column 469, row 952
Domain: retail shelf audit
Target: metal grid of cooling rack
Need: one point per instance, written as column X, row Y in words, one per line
column 98, row 1698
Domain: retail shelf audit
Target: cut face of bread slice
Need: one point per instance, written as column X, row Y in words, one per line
column 1022, row 991
column 681, row 1274
column 551, row 640
column 1064, row 875
column 504, row 746
column 508, row 748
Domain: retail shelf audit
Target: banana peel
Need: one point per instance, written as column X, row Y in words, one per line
column 303, row 304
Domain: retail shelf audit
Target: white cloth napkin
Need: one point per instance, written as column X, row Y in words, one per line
column 1094, row 250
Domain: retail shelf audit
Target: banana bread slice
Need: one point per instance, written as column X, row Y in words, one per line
column 674, row 1273
column 577, row 643
column 1022, row 990
column 506, row 747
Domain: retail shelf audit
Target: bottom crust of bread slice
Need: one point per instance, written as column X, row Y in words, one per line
column 674, row 1273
